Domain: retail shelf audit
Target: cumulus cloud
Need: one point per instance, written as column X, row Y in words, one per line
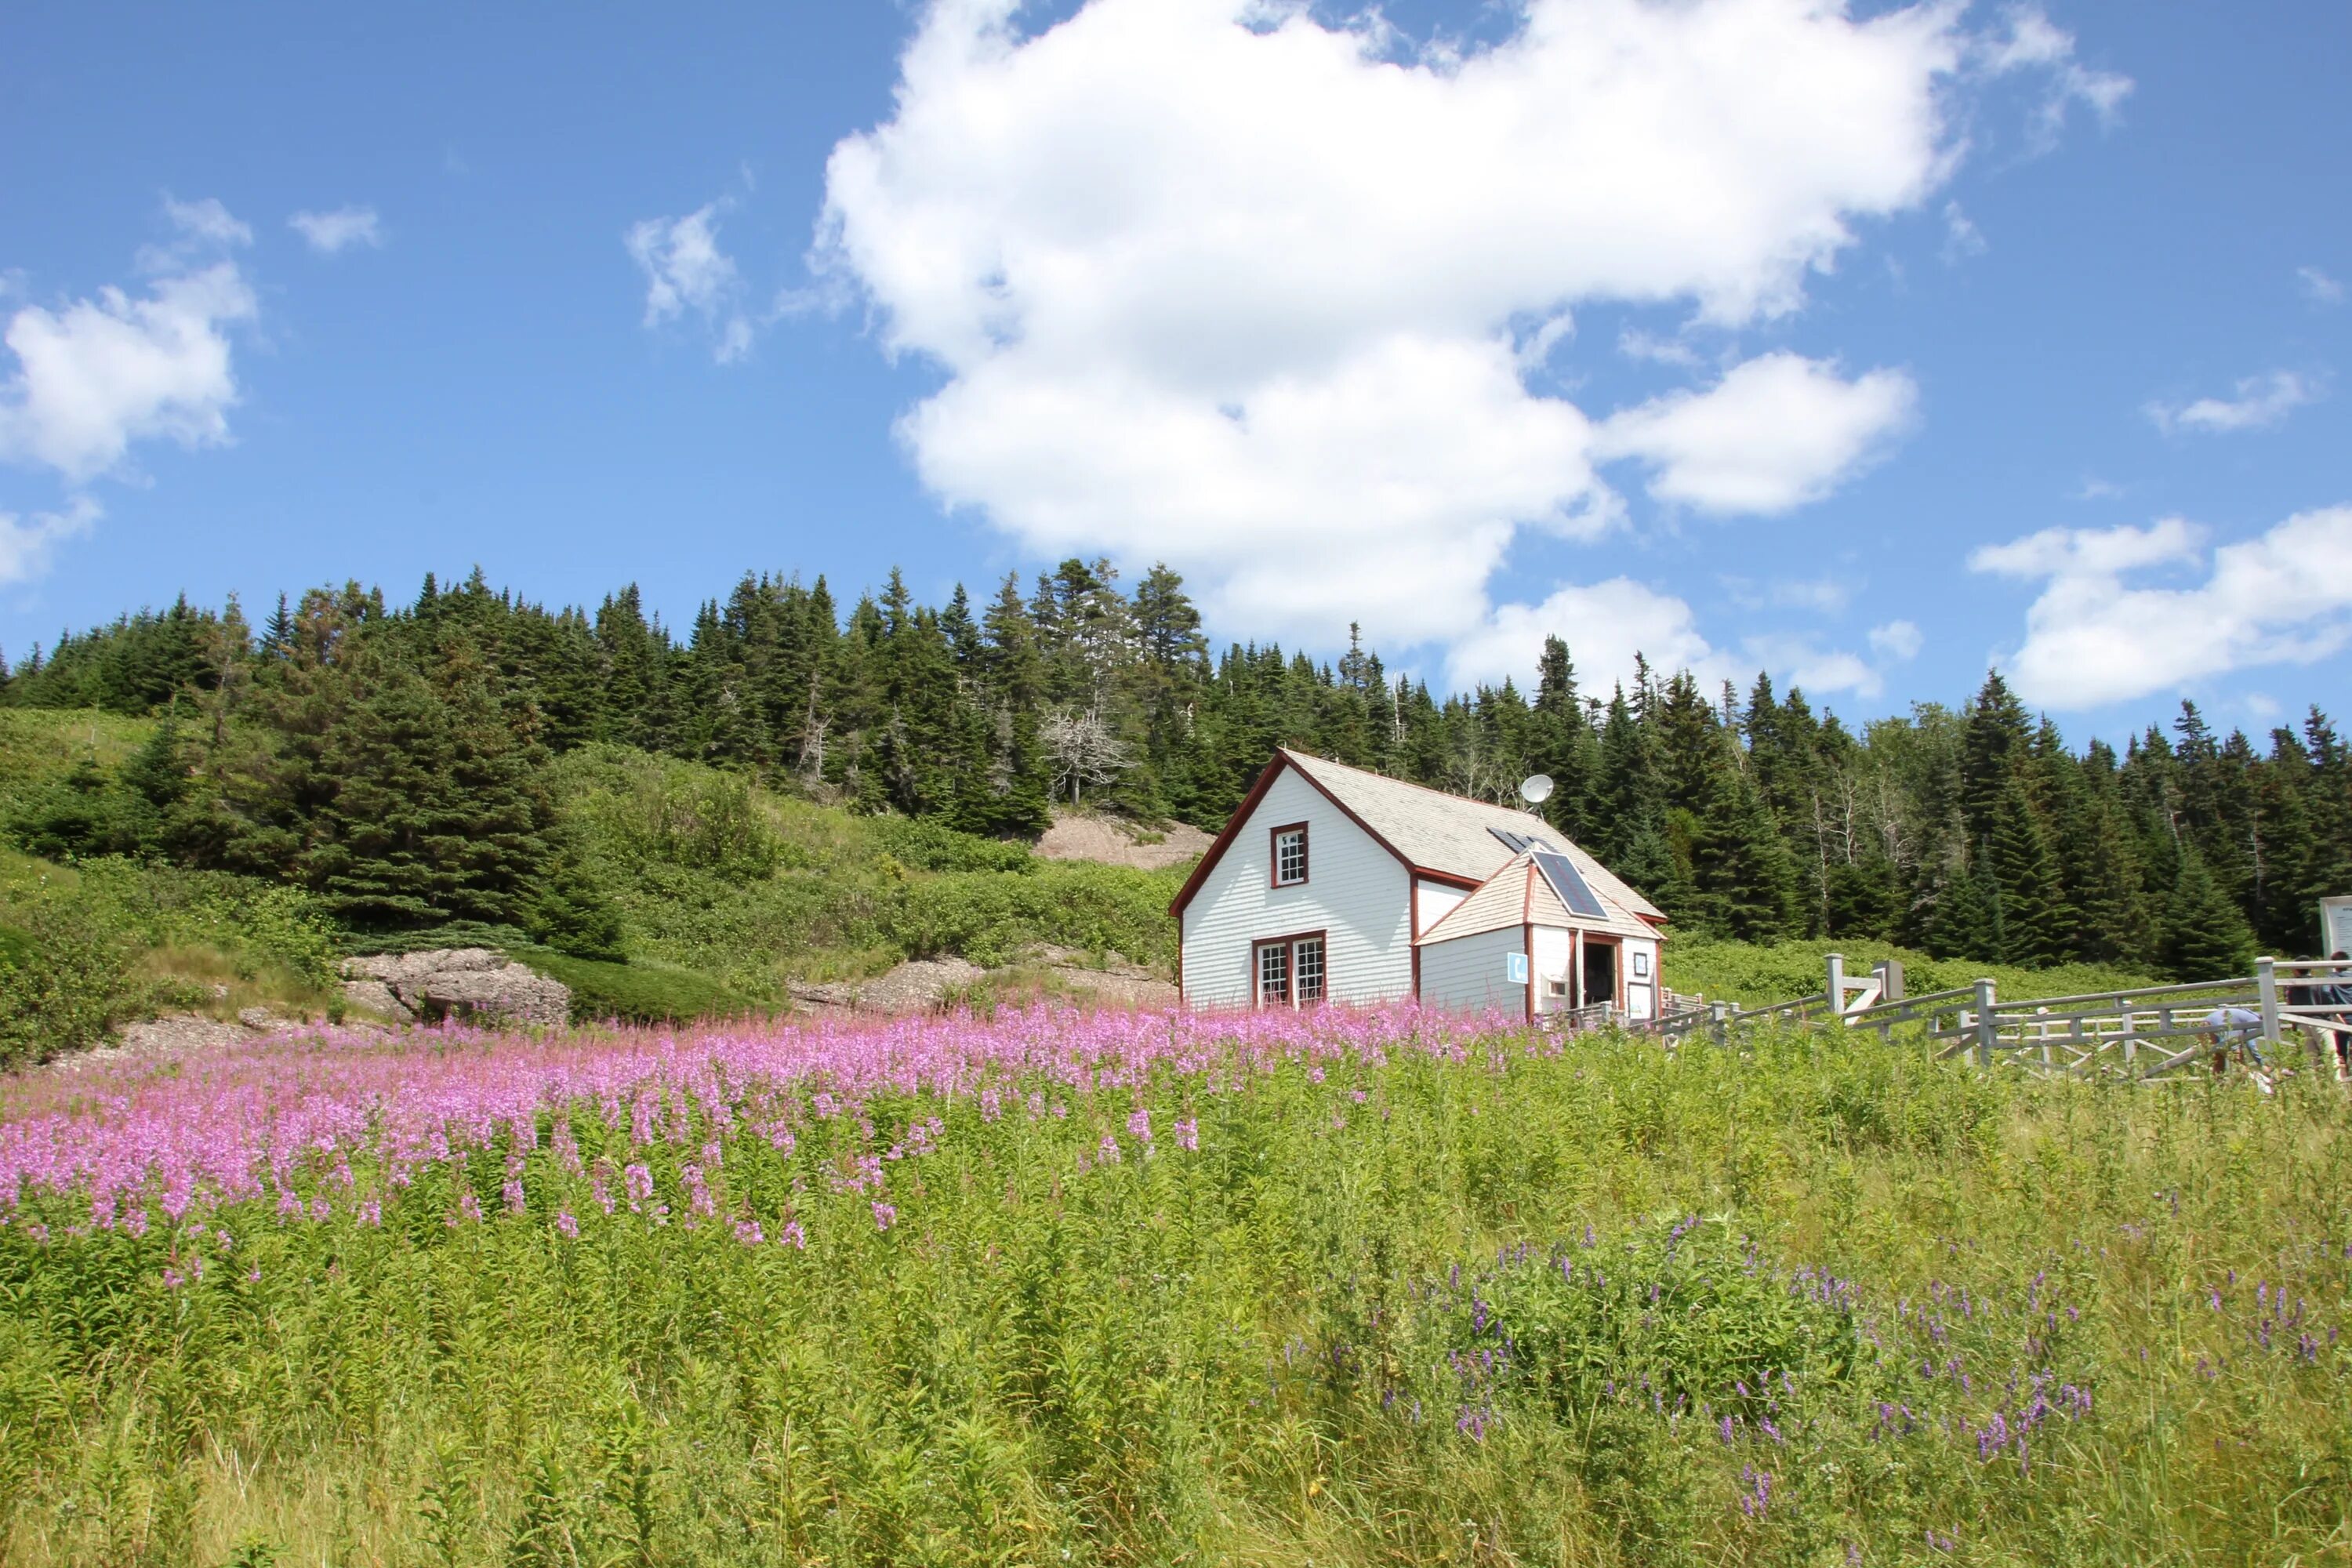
column 330, row 233
column 1223, row 284
column 2255, row 402
column 2284, row 596
column 1775, row 433
column 686, row 273
column 94, row 375
column 25, row 542
column 1605, row 623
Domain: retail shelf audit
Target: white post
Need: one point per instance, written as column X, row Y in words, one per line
column 2266, row 987
column 1837, row 986
column 1985, row 1029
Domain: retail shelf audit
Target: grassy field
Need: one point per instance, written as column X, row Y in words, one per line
column 1754, row 973
column 1338, row 1287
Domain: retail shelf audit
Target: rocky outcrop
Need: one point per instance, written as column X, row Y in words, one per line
column 915, row 986
column 478, row 985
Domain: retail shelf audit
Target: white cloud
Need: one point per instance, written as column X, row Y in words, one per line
column 330, row 232
column 1634, row 343
column 1773, row 434
column 2256, row 402
column 1606, row 623
column 1821, row 596
column 2094, row 488
column 2032, row 43
column 1220, row 283
column 1962, row 239
column 688, row 273
column 207, row 223
column 25, row 542
column 2318, row 287
column 1898, row 641
column 94, row 375
column 2284, row 596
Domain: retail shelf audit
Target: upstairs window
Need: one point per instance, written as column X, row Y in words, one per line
column 1290, row 854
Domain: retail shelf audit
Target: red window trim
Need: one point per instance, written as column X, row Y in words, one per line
column 1259, row 944
column 1274, row 854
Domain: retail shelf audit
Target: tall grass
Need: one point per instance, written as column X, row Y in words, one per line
column 1338, row 1287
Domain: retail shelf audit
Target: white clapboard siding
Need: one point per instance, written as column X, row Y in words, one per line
column 1470, row 973
column 1435, row 900
column 1553, row 949
column 1356, row 892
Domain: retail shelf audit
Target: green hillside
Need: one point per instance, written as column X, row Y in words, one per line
column 715, row 895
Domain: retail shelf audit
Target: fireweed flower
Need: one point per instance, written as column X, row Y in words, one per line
column 565, row 1226
column 793, row 1235
column 1108, row 1149
column 1188, row 1134
column 1139, row 1125
column 885, row 1216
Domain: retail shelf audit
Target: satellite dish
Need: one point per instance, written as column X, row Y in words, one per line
column 1535, row 791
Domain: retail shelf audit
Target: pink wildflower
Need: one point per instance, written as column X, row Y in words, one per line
column 885, row 1216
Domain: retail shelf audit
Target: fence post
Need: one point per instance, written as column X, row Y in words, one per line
column 2266, row 987
column 1985, row 1029
column 1837, row 986
column 1722, row 1019
column 1890, row 976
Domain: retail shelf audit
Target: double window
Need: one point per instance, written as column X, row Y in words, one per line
column 1290, row 856
column 1289, row 971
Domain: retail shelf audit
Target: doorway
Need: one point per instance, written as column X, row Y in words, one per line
column 1600, row 972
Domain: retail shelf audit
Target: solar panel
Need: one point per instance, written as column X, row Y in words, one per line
column 1564, row 880
column 1517, row 842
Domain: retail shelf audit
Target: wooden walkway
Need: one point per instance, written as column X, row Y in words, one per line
column 2148, row 1033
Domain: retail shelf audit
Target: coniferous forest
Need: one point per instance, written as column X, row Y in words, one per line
column 388, row 758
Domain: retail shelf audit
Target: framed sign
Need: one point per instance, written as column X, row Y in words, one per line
column 1641, row 964
column 1515, row 968
column 2335, row 926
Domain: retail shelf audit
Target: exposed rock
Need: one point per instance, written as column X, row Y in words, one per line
column 477, row 983
column 1082, row 835
column 376, row 997
column 181, row 1031
column 913, row 987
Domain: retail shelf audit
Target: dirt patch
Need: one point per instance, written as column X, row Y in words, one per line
column 1083, row 836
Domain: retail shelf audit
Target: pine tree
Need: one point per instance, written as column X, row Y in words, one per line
column 2205, row 937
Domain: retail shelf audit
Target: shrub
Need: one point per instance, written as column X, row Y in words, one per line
column 635, row 994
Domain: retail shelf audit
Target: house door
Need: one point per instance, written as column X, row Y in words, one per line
column 1600, row 971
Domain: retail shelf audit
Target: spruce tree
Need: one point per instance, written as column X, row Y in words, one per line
column 2204, row 935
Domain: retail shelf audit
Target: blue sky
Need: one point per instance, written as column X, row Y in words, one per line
column 1866, row 346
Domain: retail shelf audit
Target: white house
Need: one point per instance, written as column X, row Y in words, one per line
column 1332, row 883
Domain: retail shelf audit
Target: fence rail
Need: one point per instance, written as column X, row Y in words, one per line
column 2137, row 1033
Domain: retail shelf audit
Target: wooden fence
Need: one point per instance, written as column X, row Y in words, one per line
column 2144, row 1033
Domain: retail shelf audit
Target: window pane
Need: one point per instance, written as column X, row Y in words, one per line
column 1290, row 856
column 1274, row 973
column 1310, row 970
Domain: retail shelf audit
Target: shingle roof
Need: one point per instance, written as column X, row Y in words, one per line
column 1517, row 894
column 1449, row 834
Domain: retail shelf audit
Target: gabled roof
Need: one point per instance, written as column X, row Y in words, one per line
column 1519, row 894
column 1447, row 836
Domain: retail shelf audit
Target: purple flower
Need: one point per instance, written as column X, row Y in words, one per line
column 885, row 1216
column 1188, row 1134
column 565, row 1226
